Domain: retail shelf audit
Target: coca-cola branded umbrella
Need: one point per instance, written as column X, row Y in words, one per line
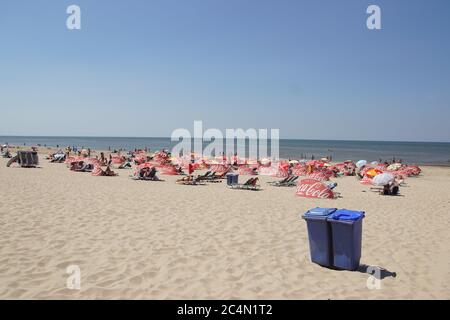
column 319, row 176
column 139, row 159
column 219, row 168
column 310, row 188
column 97, row 171
column 283, row 169
column 146, row 165
column 118, row 159
column 299, row 171
column 268, row 171
column 168, row 170
column 244, row 170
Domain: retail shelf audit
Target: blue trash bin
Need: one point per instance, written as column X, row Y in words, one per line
column 232, row 178
column 346, row 230
column 319, row 234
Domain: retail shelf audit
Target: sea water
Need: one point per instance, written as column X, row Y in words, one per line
column 437, row 153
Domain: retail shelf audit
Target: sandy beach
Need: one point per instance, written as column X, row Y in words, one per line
column 159, row 240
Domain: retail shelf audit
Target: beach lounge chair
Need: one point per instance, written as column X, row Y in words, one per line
column 250, row 184
column 191, row 182
column 205, row 176
column 214, row 177
column 210, row 177
column 290, row 181
column 287, row 179
column 155, row 178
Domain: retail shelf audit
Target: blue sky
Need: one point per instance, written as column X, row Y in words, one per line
column 147, row 67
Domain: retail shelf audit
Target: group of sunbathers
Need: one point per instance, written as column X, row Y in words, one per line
column 82, row 166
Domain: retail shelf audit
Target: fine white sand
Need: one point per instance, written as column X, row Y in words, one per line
column 159, row 240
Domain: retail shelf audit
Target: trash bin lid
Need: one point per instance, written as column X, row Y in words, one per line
column 347, row 215
column 319, row 212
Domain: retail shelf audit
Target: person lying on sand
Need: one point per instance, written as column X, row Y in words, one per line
column 87, row 167
column 186, row 179
column 151, row 173
column 57, row 157
column 125, row 165
column 76, row 166
column 108, row 172
column 145, row 172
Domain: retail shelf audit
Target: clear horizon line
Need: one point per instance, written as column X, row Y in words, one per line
column 162, row 137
